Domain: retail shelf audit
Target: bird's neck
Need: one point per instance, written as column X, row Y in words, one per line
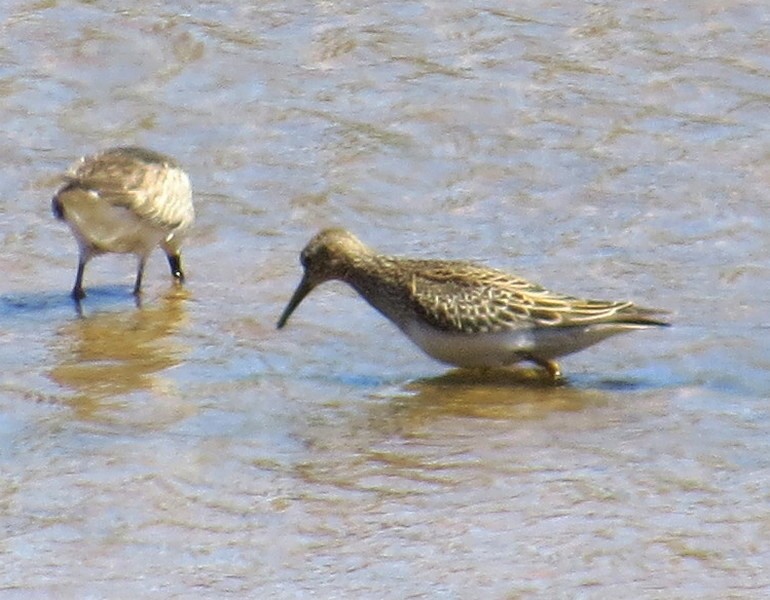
column 382, row 283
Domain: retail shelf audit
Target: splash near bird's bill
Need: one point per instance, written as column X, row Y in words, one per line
column 126, row 200
column 462, row 313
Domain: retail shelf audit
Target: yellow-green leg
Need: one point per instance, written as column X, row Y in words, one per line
column 551, row 366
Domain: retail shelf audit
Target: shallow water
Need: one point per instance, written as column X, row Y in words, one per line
column 186, row 447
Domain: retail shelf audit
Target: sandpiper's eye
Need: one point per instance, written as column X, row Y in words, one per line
column 304, row 260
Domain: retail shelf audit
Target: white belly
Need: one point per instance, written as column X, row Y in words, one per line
column 106, row 228
column 508, row 347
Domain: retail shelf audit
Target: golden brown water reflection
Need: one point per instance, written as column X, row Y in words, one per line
column 187, row 449
column 107, row 357
column 520, row 394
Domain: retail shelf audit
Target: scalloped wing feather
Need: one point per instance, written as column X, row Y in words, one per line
column 469, row 298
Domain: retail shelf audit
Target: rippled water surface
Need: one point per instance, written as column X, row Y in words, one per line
column 187, row 448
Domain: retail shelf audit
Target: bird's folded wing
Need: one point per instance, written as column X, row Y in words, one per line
column 474, row 299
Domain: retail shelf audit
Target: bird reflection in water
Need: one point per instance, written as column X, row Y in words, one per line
column 494, row 394
column 107, row 357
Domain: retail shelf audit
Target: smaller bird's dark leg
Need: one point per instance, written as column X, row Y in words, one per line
column 549, row 365
column 139, row 274
column 78, row 293
column 175, row 262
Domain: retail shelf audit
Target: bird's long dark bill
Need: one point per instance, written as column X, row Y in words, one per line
column 303, row 289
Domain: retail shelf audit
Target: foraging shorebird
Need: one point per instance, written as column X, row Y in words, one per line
column 126, row 200
column 462, row 313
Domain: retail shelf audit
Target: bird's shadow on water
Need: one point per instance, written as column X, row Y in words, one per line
column 34, row 304
column 99, row 298
column 516, row 382
column 37, row 302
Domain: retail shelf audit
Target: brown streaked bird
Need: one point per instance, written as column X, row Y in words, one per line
column 126, row 200
column 462, row 313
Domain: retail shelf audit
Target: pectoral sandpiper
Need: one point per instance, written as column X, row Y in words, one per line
column 462, row 313
column 126, row 200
